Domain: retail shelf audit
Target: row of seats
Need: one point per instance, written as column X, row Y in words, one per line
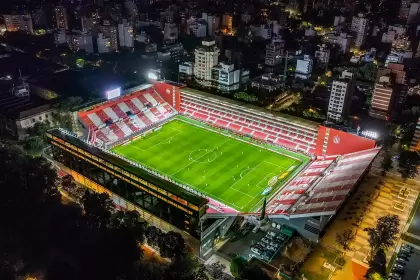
column 247, row 125
column 291, row 193
column 333, row 189
column 117, row 119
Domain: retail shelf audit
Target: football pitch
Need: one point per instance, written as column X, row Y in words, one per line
column 226, row 169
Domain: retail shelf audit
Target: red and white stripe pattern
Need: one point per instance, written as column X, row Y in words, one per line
column 332, row 190
column 291, row 193
column 288, row 137
column 116, row 119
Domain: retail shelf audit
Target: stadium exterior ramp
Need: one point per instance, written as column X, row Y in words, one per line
column 314, row 197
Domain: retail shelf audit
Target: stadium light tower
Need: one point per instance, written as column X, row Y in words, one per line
column 152, row 76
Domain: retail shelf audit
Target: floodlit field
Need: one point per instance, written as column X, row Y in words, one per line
column 226, row 169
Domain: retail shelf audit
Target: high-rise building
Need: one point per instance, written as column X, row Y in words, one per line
column 170, row 33
column 206, row 57
column 340, row 97
column 125, row 34
column 404, row 9
column 104, row 43
column 87, row 23
column 110, row 31
column 199, row 28
column 227, row 21
column 60, row 37
column 359, row 26
column 131, row 8
column 19, row 23
column 274, row 52
column 225, row 77
column 39, row 20
column 304, row 67
column 210, row 23
column 382, row 96
column 413, row 13
column 322, row 55
column 415, row 142
column 80, row 41
column 61, row 17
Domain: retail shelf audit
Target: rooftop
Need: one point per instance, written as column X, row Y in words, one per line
column 20, row 107
column 168, row 186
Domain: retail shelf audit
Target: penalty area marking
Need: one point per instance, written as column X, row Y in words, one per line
column 163, row 142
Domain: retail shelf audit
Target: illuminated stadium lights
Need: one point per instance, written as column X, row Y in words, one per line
column 201, row 134
column 370, row 134
column 111, row 94
column 152, row 76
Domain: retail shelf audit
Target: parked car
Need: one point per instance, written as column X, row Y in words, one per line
column 265, row 240
column 262, row 244
column 395, row 276
column 256, row 228
column 406, row 248
column 268, row 236
column 398, row 271
column 272, row 233
column 271, row 248
column 258, row 246
column 256, row 250
column 403, row 255
column 399, row 266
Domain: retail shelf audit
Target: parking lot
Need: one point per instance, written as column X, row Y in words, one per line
column 263, row 245
column 406, row 265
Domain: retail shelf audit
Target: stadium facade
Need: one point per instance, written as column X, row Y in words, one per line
column 307, row 200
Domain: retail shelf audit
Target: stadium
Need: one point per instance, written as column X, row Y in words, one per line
column 194, row 162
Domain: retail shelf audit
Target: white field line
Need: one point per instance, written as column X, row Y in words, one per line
column 205, row 127
column 132, row 145
column 209, row 150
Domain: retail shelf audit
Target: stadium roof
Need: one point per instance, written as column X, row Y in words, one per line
column 295, row 120
column 168, row 186
column 322, row 187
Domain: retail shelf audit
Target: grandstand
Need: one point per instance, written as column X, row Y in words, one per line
column 116, row 120
column 167, row 138
column 291, row 133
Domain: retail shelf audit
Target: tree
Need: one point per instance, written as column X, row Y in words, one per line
column 237, row 266
column 345, row 238
column 252, row 272
column 37, row 139
column 245, row 96
column 377, row 266
column 172, row 245
column 408, row 161
column 62, row 116
column 153, row 235
column 98, row 208
column 130, row 220
column 39, row 233
column 216, row 270
column 386, row 163
column 384, row 234
column 186, row 267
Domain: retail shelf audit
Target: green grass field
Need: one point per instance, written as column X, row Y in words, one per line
column 226, row 169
